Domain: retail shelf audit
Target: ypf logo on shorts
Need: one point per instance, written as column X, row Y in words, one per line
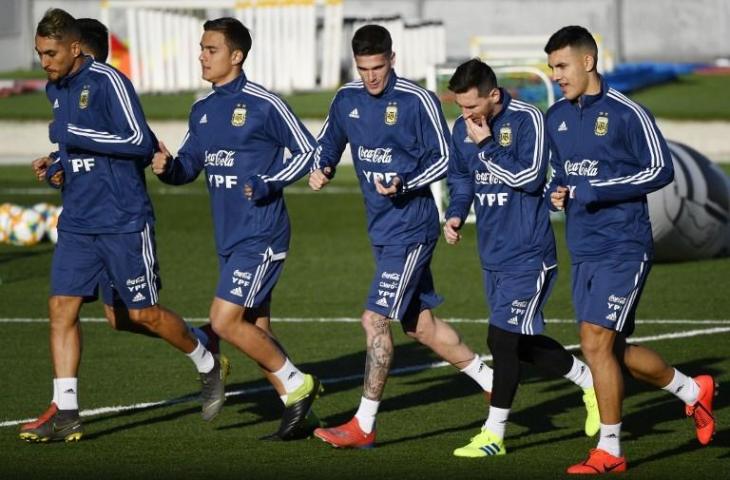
column 241, row 278
column 136, row 284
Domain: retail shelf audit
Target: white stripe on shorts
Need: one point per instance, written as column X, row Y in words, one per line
column 632, row 297
column 148, row 255
column 256, row 282
column 527, row 327
column 258, row 279
column 410, row 264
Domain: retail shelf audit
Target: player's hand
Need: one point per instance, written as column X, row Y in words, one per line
column 477, row 129
column 160, row 160
column 318, row 179
column 256, row 189
column 451, row 230
column 559, row 197
column 40, row 166
column 57, row 179
column 389, row 191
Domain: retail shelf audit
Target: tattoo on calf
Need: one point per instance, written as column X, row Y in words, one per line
column 377, row 363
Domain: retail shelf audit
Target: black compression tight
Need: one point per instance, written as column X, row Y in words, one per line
column 508, row 349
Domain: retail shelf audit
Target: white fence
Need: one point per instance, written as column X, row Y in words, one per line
column 289, row 50
column 297, row 44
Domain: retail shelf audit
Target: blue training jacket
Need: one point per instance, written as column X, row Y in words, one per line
column 104, row 145
column 504, row 178
column 401, row 132
column 609, row 152
column 238, row 134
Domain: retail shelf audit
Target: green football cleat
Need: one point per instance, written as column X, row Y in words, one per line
column 53, row 426
column 484, row 444
column 593, row 418
column 213, row 392
column 311, row 386
column 297, row 407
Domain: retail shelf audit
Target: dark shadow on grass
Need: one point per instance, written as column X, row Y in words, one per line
column 721, row 445
column 260, row 403
column 473, row 426
column 94, row 434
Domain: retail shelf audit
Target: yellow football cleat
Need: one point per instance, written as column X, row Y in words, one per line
column 484, row 444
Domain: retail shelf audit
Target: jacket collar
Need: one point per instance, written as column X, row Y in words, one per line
column 71, row 77
column 585, row 101
column 232, row 87
column 504, row 100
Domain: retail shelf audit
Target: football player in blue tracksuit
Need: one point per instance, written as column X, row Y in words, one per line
column 498, row 163
column 400, row 145
column 95, row 43
column 237, row 137
column 607, row 155
column 105, row 226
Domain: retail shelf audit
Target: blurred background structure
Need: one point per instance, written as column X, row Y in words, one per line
column 303, row 44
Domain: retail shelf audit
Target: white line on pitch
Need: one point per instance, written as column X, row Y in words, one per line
column 395, row 371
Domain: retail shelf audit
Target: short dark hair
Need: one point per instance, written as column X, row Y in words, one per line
column 473, row 73
column 58, row 24
column 237, row 35
column 572, row 36
column 372, row 40
column 94, row 38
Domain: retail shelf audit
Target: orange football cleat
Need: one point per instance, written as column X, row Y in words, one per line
column 701, row 411
column 599, row 461
column 349, row 435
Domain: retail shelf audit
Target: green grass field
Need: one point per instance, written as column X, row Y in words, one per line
column 427, row 410
column 691, row 97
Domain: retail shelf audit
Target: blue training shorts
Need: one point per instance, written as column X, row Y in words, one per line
column 124, row 262
column 607, row 293
column 516, row 298
column 247, row 279
column 403, row 284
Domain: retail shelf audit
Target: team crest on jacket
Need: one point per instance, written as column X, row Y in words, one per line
column 391, row 113
column 239, row 115
column 601, row 125
column 505, row 136
column 84, row 97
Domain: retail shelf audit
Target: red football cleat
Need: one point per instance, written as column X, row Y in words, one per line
column 45, row 416
column 599, row 461
column 349, row 435
column 701, row 411
column 53, row 425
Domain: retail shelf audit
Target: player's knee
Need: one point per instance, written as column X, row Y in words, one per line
column 502, row 343
column 373, row 323
column 149, row 317
column 596, row 343
column 220, row 325
column 63, row 310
